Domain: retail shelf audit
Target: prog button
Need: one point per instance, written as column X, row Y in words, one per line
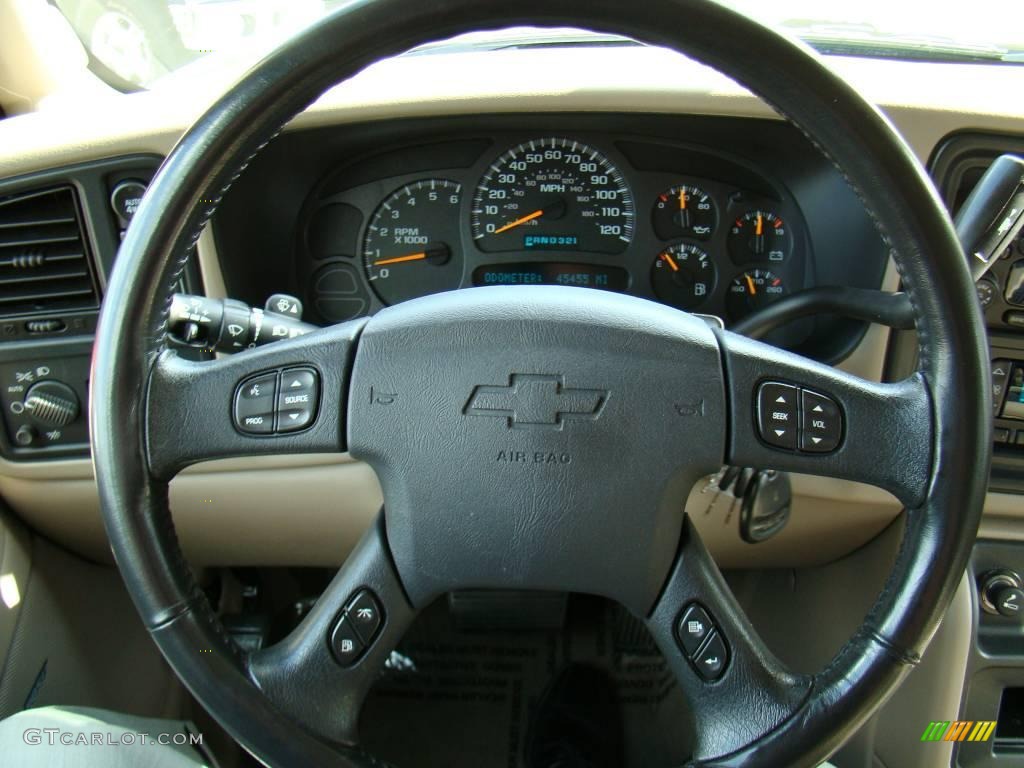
column 254, row 404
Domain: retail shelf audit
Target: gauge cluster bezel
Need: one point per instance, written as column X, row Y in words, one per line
column 732, row 198
column 262, row 239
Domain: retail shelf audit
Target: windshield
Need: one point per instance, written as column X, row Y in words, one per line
column 133, row 43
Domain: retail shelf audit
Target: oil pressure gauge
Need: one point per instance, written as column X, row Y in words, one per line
column 684, row 211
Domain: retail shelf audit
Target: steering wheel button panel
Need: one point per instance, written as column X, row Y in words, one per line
column 815, row 426
column 1000, row 379
column 777, row 415
column 272, row 402
column 356, row 628
column 822, row 423
column 711, row 660
column 693, row 629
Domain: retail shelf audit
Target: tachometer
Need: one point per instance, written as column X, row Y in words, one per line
column 553, row 195
column 411, row 247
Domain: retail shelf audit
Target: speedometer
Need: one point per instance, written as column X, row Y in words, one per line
column 553, row 195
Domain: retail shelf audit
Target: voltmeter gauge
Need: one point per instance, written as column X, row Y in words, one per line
column 752, row 290
column 684, row 211
column 760, row 235
column 683, row 276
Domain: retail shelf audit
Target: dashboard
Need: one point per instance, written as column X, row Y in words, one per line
column 690, row 214
column 297, row 221
column 373, row 136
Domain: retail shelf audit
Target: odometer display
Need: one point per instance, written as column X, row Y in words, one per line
column 554, row 195
column 552, row 273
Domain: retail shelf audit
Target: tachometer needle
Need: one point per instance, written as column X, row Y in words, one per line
column 517, row 222
column 670, row 261
column 400, row 259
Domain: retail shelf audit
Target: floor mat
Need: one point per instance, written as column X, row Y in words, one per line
column 452, row 698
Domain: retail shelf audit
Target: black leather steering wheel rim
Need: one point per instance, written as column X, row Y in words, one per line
column 953, row 368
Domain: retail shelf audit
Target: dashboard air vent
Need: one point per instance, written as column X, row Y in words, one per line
column 44, row 266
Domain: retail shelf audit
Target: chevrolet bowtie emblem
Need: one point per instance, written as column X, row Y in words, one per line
column 536, row 400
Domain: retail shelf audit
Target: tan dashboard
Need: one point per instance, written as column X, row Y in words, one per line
column 311, row 510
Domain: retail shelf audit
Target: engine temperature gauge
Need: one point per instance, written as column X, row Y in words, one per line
column 752, row 290
column 759, row 235
column 684, row 211
column 683, row 276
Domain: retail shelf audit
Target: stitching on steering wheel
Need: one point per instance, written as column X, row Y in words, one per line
column 193, row 238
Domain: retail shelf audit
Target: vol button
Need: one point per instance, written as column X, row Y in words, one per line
column 823, row 424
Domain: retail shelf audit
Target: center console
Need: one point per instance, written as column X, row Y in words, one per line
column 994, row 687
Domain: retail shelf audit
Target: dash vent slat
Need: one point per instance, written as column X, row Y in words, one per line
column 44, row 266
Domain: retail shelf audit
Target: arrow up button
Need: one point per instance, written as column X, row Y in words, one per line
column 777, row 414
column 822, row 423
column 297, row 399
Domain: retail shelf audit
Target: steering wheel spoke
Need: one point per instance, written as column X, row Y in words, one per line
column 736, row 687
column 791, row 413
column 321, row 672
column 286, row 397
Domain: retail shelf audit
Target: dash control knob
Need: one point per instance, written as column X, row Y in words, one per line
column 26, row 435
column 52, row 403
column 1001, row 594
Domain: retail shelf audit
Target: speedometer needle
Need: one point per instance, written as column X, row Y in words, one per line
column 518, row 222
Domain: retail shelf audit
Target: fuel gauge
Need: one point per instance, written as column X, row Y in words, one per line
column 683, row 276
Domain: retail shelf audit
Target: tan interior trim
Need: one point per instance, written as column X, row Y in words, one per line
column 15, row 567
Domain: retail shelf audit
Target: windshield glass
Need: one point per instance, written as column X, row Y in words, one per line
column 133, row 43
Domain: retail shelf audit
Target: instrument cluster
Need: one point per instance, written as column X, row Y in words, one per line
column 597, row 213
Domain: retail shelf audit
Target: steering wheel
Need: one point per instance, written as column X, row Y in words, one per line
column 541, row 438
